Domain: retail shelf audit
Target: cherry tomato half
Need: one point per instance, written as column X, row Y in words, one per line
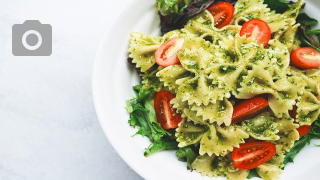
column 248, row 109
column 303, row 130
column 252, row 154
column 305, row 58
column 166, row 54
column 257, row 30
column 222, row 13
column 166, row 115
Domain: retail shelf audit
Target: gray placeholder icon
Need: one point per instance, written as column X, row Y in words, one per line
column 31, row 39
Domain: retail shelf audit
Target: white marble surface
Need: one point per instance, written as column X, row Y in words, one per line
column 48, row 125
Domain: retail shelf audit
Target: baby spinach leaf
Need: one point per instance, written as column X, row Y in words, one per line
column 280, row 6
column 187, row 154
column 253, row 173
column 303, row 18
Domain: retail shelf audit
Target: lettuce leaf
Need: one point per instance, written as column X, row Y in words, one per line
column 172, row 7
column 172, row 22
column 187, row 154
column 143, row 116
column 161, row 145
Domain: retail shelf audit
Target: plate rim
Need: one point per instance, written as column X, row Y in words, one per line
column 94, row 78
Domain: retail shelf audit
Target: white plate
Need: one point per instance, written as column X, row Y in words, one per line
column 112, row 86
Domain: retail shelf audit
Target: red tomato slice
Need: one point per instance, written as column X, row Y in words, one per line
column 305, row 58
column 248, row 109
column 166, row 115
column 222, row 13
column 166, row 54
column 252, row 154
column 303, row 130
column 257, row 30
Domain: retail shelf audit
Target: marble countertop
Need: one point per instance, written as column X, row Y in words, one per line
column 48, row 125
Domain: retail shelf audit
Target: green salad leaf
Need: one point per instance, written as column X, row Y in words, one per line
column 280, row 6
column 253, row 173
column 143, row 116
column 172, row 7
column 187, row 154
column 302, row 142
column 307, row 36
column 313, row 32
column 303, row 18
column 161, row 145
column 176, row 21
column 308, row 40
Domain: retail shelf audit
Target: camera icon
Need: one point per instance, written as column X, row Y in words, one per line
column 31, row 39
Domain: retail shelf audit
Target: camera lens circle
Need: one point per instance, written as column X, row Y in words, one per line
column 32, row 39
column 24, row 40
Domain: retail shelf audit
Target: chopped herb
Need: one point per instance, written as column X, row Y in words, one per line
column 226, row 69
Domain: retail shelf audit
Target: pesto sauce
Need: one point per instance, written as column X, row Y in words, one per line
column 224, row 69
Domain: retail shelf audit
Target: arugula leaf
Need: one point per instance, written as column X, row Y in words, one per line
column 311, row 40
column 161, row 145
column 187, row 154
column 278, row 5
column 253, row 173
column 143, row 116
column 302, row 142
column 312, row 32
column 307, row 36
column 303, row 18
column 315, row 130
column 141, row 94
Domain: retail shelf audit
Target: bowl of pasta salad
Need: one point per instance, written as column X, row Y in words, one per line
column 212, row 89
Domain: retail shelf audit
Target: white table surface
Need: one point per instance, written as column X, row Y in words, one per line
column 48, row 126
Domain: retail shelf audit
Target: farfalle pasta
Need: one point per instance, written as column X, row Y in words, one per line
column 217, row 66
